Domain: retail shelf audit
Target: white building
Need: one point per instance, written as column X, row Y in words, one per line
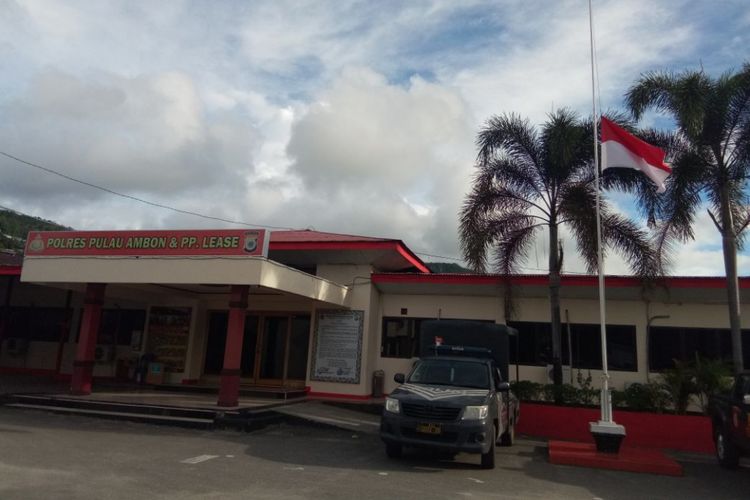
column 322, row 312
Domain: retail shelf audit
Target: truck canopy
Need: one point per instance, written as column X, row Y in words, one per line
column 467, row 334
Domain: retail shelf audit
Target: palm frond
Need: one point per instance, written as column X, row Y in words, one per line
column 505, row 172
column 631, row 241
column 513, row 248
column 485, row 204
column 683, row 96
column 578, row 210
column 513, row 135
column 567, row 146
column 736, row 130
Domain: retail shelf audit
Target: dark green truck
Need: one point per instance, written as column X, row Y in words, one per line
column 730, row 422
column 456, row 397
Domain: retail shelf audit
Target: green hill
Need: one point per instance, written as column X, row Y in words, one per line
column 15, row 226
column 448, row 267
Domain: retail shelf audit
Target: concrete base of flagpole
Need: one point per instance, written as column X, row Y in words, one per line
column 608, row 436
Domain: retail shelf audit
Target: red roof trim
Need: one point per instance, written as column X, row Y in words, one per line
column 329, row 245
column 10, row 271
column 530, row 280
column 352, row 245
column 413, row 259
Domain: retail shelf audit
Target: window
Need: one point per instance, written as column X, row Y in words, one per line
column 586, row 343
column 533, row 346
column 117, row 326
column 451, row 372
column 400, row 337
column 36, row 323
column 667, row 343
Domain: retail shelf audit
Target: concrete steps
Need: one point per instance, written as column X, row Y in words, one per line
column 153, row 414
column 274, row 392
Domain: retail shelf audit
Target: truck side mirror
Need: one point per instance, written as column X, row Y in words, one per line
column 399, row 378
column 503, row 387
column 746, row 399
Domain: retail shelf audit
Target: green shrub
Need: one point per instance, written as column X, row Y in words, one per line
column 566, row 394
column 586, row 394
column 618, row 398
column 526, row 390
column 646, row 397
column 679, row 384
column 711, row 376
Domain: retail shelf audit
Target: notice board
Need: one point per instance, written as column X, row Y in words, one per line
column 168, row 333
column 337, row 346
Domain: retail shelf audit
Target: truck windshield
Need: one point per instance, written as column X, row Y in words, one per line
column 451, row 372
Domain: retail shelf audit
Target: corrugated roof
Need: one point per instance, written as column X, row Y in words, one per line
column 309, row 235
column 566, row 279
column 10, row 259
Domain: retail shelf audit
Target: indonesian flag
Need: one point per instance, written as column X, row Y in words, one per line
column 622, row 149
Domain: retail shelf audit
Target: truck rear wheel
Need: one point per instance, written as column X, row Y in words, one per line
column 393, row 450
column 488, row 459
column 726, row 452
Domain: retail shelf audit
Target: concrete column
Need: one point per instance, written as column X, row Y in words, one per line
column 83, row 366
column 229, row 391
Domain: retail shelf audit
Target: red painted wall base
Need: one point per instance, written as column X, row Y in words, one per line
column 674, row 432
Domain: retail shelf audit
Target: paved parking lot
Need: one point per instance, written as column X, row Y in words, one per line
column 56, row 456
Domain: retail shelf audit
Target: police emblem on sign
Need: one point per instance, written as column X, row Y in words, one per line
column 251, row 241
column 37, row 244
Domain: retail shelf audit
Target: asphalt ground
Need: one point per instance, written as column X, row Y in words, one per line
column 45, row 456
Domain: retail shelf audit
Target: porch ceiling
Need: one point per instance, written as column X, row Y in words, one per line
column 205, row 275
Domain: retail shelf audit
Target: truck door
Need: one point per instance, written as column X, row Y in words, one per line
column 739, row 416
column 502, row 403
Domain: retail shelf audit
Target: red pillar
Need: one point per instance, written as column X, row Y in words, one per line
column 229, row 392
column 83, row 366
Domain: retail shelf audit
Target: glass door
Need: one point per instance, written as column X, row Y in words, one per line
column 299, row 339
column 216, row 344
column 273, row 350
column 283, row 350
column 249, row 348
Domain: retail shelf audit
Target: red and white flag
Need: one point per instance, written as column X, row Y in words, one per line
column 622, row 149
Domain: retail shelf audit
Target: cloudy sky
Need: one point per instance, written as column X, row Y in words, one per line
column 343, row 116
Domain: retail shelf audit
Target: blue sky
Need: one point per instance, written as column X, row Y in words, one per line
column 345, row 116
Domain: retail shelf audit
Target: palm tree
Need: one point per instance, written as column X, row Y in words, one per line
column 528, row 181
column 711, row 156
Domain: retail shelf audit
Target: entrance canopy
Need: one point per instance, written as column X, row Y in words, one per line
column 187, row 259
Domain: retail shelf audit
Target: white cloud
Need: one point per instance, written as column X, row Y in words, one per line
column 544, row 63
column 346, row 116
column 366, row 147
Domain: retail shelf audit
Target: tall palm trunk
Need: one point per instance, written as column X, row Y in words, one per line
column 729, row 245
column 554, row 304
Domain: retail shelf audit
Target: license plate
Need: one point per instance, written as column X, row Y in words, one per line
column 429, row 428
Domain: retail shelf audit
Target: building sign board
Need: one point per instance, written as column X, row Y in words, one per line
column 337, row 346
column 156, row 242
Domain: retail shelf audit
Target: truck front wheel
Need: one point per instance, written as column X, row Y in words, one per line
column 488, row 459
column 726, row 452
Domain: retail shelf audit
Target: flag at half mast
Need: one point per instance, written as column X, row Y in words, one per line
column 620, row 148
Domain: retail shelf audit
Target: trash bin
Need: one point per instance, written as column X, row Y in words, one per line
column 155, row 374
column 378, row 379
column 141, row 369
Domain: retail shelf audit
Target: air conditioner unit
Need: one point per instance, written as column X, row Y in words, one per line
column 104, row 353
column 16, row 346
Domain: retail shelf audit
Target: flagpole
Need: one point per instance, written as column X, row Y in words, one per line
column 605, row 431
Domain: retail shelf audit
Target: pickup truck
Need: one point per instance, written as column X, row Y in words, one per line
column 731, row 426
column 453, row 401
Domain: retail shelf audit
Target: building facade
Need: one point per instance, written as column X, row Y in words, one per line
column 314, row 310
